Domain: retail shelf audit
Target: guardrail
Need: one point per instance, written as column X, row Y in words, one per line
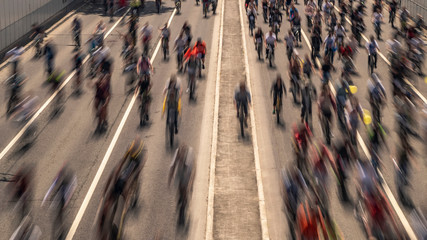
column 416, row 7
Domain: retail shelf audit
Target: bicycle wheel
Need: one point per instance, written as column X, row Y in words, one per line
column 242, row 119
column 278, row 110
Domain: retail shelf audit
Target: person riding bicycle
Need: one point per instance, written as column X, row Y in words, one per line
column 404, row 17
column 258, row 38
column 295, row 69
column 329, row 45
column 165, row 33
column 377, row 96
column 277, row 90
column 200, row 50
column 275, row 19
column 99, row 33
column 372, row 47
column 191, row 69
column 50, row 53
column 270, row 41
column 392, row 12
column 309, row 11
column 145, row 85
column 77, row 28
column 102, row 99
column 146, row 35
column 179, row 46
column 182, row 171
column 296, row 27
column 316, row 42
column 242, row 97
column 290, row 42
column 173, row 95
column 377, row 19
column 340, row 34
column 78, row 63
column 144, row 68
column 325, row 102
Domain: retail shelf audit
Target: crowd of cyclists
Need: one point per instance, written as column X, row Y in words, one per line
column 305, row 183
column 123, row 182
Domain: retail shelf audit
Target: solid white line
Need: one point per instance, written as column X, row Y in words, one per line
column 49, row 100
column 261, row 198
column 107, row 155
column 390, row 196
column 211, row 190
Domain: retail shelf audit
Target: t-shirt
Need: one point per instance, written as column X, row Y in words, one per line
column 290, row 39
column 180, row 44
column 377, row 17
column 372, row 47
column 270, row 39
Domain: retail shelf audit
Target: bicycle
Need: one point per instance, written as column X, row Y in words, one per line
column 326, row 130
column 295, row 87
column 242, row 120
column 259, row 49
column 371, row 63
column 278, row 108
column 192, row 86
column 170, row 125
column 270, row 55
column 165, row 48
column 143, row 108
column 199, row 65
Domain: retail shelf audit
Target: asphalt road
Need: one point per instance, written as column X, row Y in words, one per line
column 70, row 136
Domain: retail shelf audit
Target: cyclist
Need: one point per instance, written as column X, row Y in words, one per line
column 277, row 90
column 316, row 43
column 270, row 41
column 290, row 42
column 99, row 33
column 165, row 33
column 191, row 68
column 308, row 219
column 377, row 96
column 275, row 19
column 329, row 45
column 50, row 53
column 343, row 13
column 21, row 188
column 144, row 68
column 317, row 18
column 182, row 169
column 133, row 27
column 144, row 90
column 404, row 16
column 309, row 13
column 326, row 70
column 242, row 97
column 325, row 102
column 392, row 12
column 77, row 28
column 186, row 29
column 200, row 50
column 146, row 32
column 372, row 48
column 173, row 91
column 102, row 99
column 340, row 34
column 258, row 39
column 377, row 19
column 296, row 27
column 78, row 63
column 180, row 43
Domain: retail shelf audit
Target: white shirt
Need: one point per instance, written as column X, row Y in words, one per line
column 377, row 17
column 15, row 53
column 146, row 31
column 270, row 39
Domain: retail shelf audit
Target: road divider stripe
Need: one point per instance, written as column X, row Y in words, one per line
column 211, row 188
column 107, row 155
column 261, row 198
